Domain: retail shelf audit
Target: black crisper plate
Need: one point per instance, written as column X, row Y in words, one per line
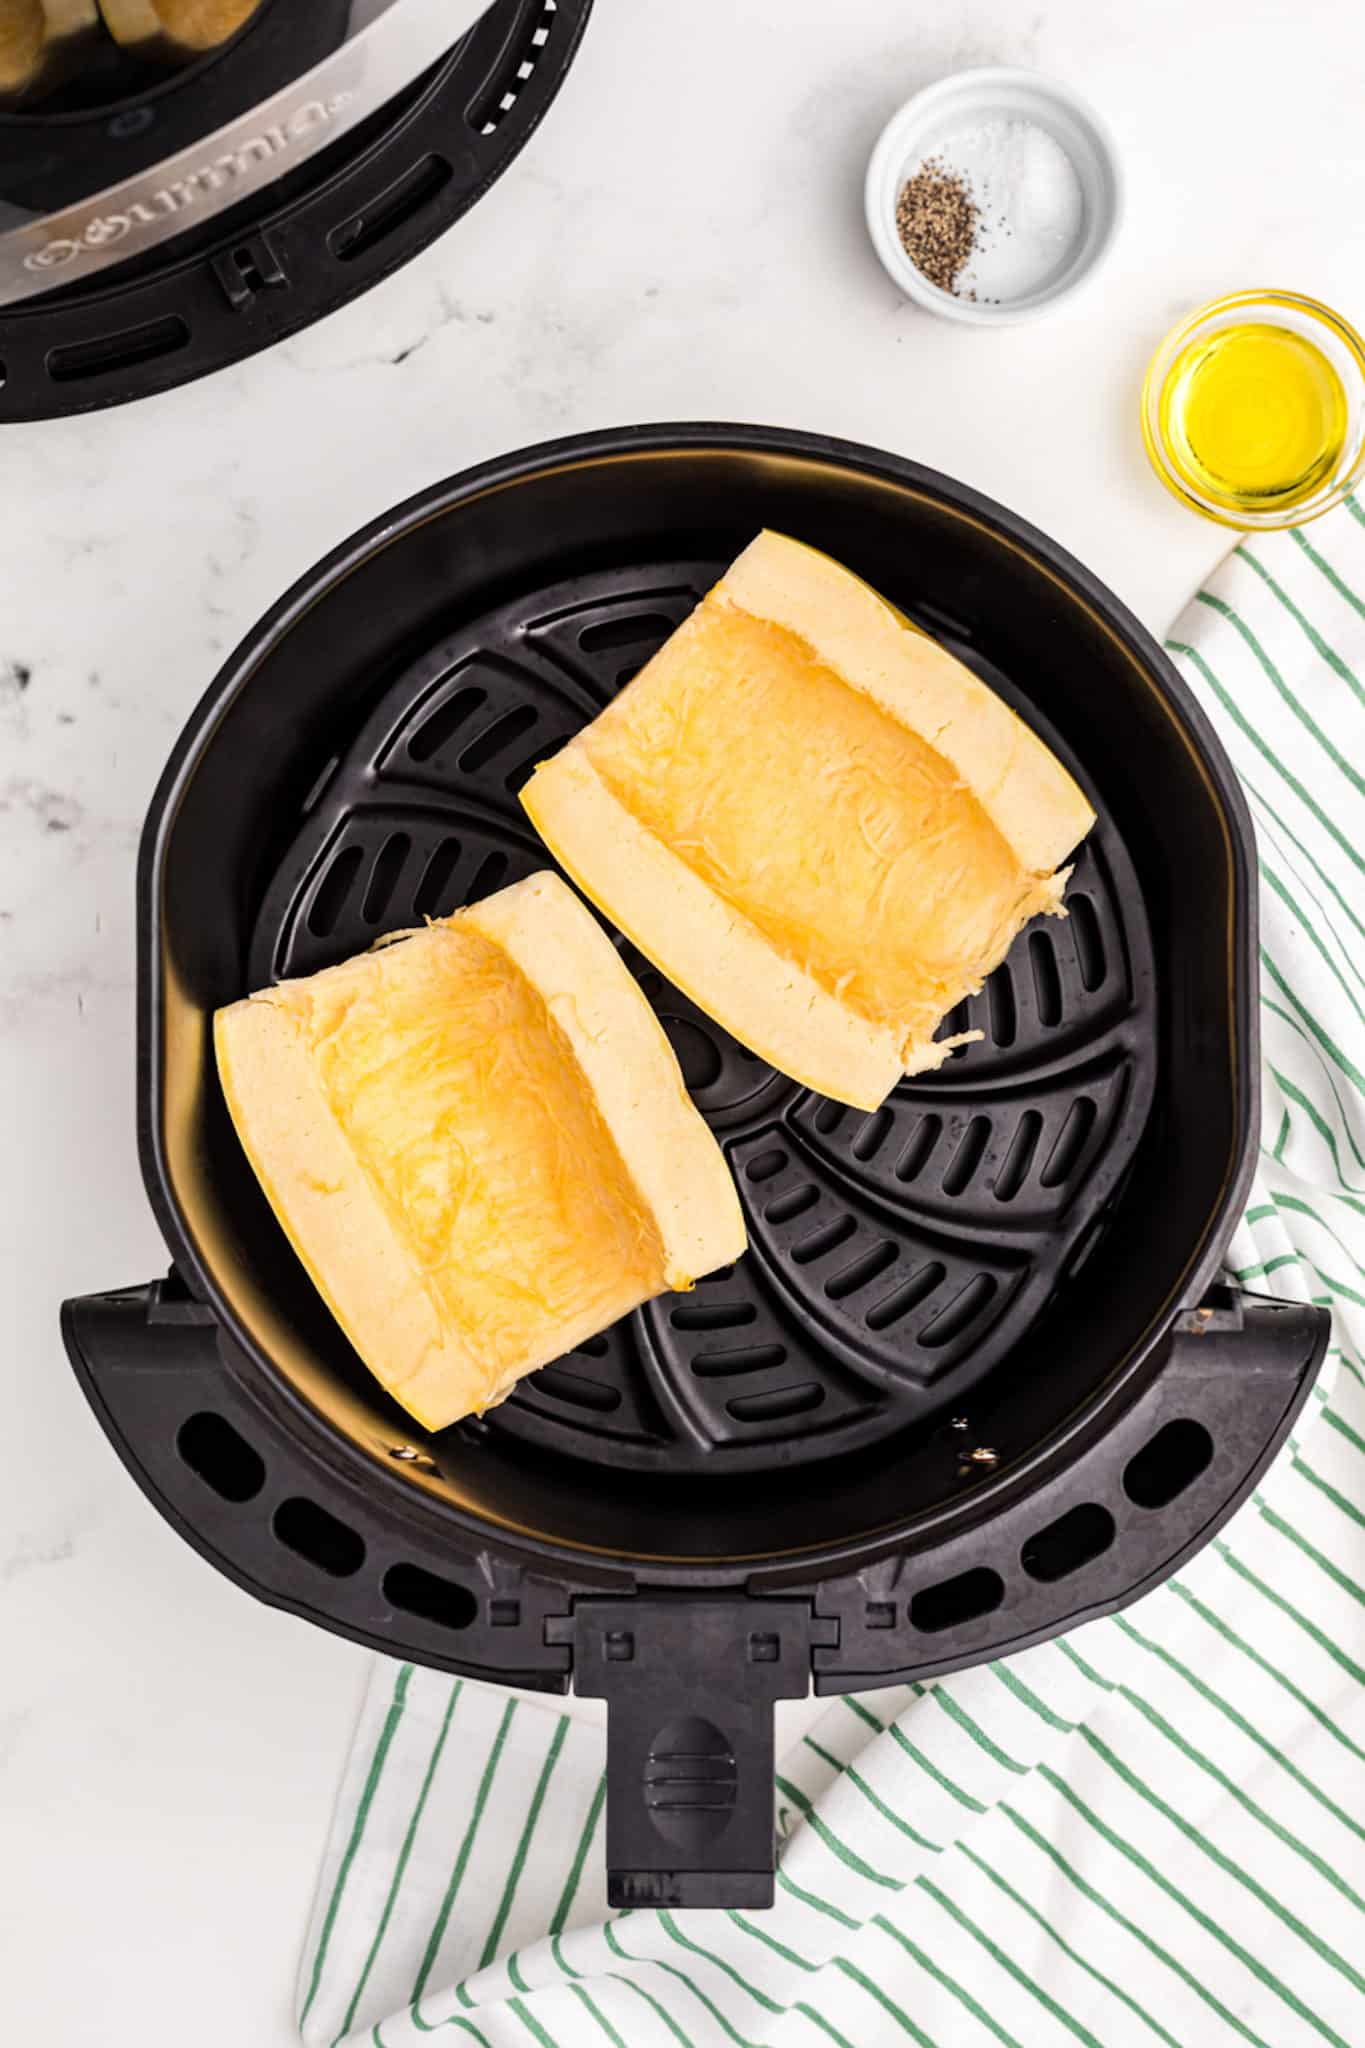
column 895, row 1257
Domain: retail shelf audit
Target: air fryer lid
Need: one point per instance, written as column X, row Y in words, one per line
column 970, row 1383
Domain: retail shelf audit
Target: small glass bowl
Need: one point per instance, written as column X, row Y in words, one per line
column 1318, row 324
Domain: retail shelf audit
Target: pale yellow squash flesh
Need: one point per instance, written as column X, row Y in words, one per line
column 69, row 18
column 478, row 1141
column 814, row 820
column 22, row 33
column 192, row 24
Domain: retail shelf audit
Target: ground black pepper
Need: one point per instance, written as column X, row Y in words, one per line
column 937, row 219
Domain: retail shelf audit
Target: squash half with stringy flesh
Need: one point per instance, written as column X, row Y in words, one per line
column 478, row 1140
column 814, row 820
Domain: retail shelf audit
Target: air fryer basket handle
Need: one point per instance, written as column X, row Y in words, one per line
column 237, row 1478
column 1107, row 1526
column 691, row 1678
column 690, row 1685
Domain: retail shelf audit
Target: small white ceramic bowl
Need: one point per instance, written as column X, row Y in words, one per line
column 926, row 122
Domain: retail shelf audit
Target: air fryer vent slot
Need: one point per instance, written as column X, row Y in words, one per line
column 862, row 1271
column 738, row 1358
column 712, row 1315
column 489, row 876
column 873, row 1135
column 75, row 361
column 1004, row 1014
column 776, row 1406
column 919, row 1147
column 1088, row 940
column 786, row 1208
column 389, row 865
column 577, row 1391
column 635, row 630
column 896, row 1255
column 892, row 1307
column 444, row 723
column 962, row 1167
column 433, row 890
column 334, row 891
column 820, row 1242
column 392, row 209
column 961, row 1312
column 1018, row 1158
column 1047, row 983
column 497, row 101
column 496, row 738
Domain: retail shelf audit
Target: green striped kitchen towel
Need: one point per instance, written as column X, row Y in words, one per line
column 1153, row 1831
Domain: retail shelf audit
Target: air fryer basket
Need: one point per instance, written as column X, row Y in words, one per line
column 976, row 1379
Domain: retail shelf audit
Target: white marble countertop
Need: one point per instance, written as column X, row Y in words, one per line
column 683, row 239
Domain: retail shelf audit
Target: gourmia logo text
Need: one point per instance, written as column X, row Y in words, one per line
column 237, row 167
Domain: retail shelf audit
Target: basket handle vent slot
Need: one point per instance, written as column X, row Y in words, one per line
column 954, row 1601
column 1074, row 1539
column 1172, row 1460
column 215, row 1453
column 318, row 1537
column 431, row 1598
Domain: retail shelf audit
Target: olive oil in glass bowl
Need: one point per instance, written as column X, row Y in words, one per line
column 1253, row 410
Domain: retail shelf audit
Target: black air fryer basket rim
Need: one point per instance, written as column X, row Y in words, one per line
column 1126, row 1378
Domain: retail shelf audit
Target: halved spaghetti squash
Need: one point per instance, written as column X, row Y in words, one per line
column 814, row 820
column 478, row 1141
